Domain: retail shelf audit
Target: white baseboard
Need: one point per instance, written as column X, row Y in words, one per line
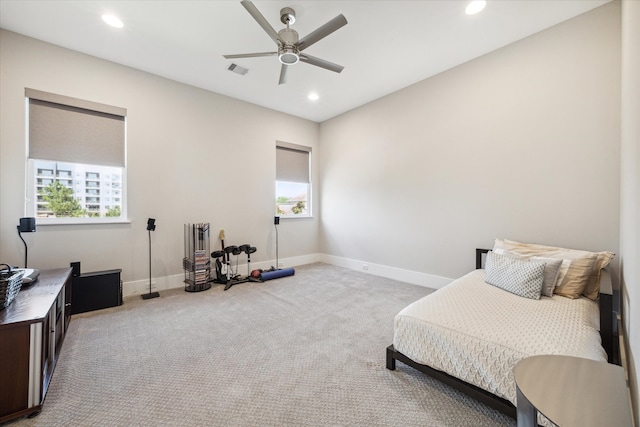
column 139, row 287
column 407, row 276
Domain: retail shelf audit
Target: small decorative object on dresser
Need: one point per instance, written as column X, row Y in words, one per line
column 10, row 284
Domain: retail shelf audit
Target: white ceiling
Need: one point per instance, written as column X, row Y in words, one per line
column 387, row 45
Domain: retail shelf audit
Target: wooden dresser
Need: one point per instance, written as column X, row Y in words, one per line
column 32, row 329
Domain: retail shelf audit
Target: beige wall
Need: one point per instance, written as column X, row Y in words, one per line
column 522, row 143
column 193, row 156
column 630, row 187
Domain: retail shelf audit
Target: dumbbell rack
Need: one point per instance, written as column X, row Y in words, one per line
column 196, row 262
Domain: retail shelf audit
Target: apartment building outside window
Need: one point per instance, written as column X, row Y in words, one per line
column 87, row 193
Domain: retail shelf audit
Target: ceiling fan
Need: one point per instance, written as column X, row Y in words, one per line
column 290, row 47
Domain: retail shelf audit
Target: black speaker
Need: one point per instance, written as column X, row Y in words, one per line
column 276, row 220
column 27, row 225
column 75, row 269
column 151, row 225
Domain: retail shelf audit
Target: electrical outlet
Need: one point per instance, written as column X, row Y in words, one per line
column 365, row 267
column 280, row 264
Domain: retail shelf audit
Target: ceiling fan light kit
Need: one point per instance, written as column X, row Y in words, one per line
column 289, row 55
column 289, row 44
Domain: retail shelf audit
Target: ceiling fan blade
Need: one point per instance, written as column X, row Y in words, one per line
column 253, row 11
column 250, row 55
column 283, row 74
column 322, row 32
column 321, row 63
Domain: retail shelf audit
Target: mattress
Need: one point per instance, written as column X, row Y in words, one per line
column 477, row 332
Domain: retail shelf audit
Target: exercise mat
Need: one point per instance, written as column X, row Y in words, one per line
column 276, row 274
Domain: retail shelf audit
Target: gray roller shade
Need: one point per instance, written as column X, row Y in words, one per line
column 76, row 131
column 292, row 162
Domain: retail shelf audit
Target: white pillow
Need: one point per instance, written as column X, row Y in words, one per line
column 523, row 278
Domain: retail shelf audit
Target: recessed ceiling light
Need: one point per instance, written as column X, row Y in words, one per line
column 475, row 7
column 313, row 96
column 112, row 20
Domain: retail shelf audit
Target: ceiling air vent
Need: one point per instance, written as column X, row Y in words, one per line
column 238, row 69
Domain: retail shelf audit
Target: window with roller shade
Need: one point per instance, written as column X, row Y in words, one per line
column 293, row 180
column 76, row 160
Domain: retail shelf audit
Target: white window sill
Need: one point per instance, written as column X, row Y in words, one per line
column 79, row 221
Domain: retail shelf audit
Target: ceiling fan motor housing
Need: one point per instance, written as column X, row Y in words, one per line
column 288, row 53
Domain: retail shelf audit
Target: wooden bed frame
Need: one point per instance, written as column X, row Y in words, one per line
column 608, row 334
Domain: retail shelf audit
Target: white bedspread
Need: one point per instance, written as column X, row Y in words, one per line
column 477, row 332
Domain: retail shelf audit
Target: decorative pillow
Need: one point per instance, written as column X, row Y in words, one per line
column 551, row 273
column 580, row 270
column 551, row 269
column 592, row 290
column 520, row 277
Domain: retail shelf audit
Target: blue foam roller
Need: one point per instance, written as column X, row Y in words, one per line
column 268, row 275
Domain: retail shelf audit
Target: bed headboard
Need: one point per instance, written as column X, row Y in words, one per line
column 608, row 316
column 480, row 258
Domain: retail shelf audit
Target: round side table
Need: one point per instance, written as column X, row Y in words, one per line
column 571, row 391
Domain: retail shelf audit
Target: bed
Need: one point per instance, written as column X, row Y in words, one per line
column 470, row 333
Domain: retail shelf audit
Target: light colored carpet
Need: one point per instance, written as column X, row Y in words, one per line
column 306, row 350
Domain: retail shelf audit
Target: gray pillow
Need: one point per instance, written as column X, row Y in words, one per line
column 523, row 278
column 551, row 272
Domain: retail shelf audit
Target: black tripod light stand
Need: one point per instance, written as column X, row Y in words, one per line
column 151, row 226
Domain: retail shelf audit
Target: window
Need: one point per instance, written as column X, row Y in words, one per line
column 75, row 147
column 293, row 180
